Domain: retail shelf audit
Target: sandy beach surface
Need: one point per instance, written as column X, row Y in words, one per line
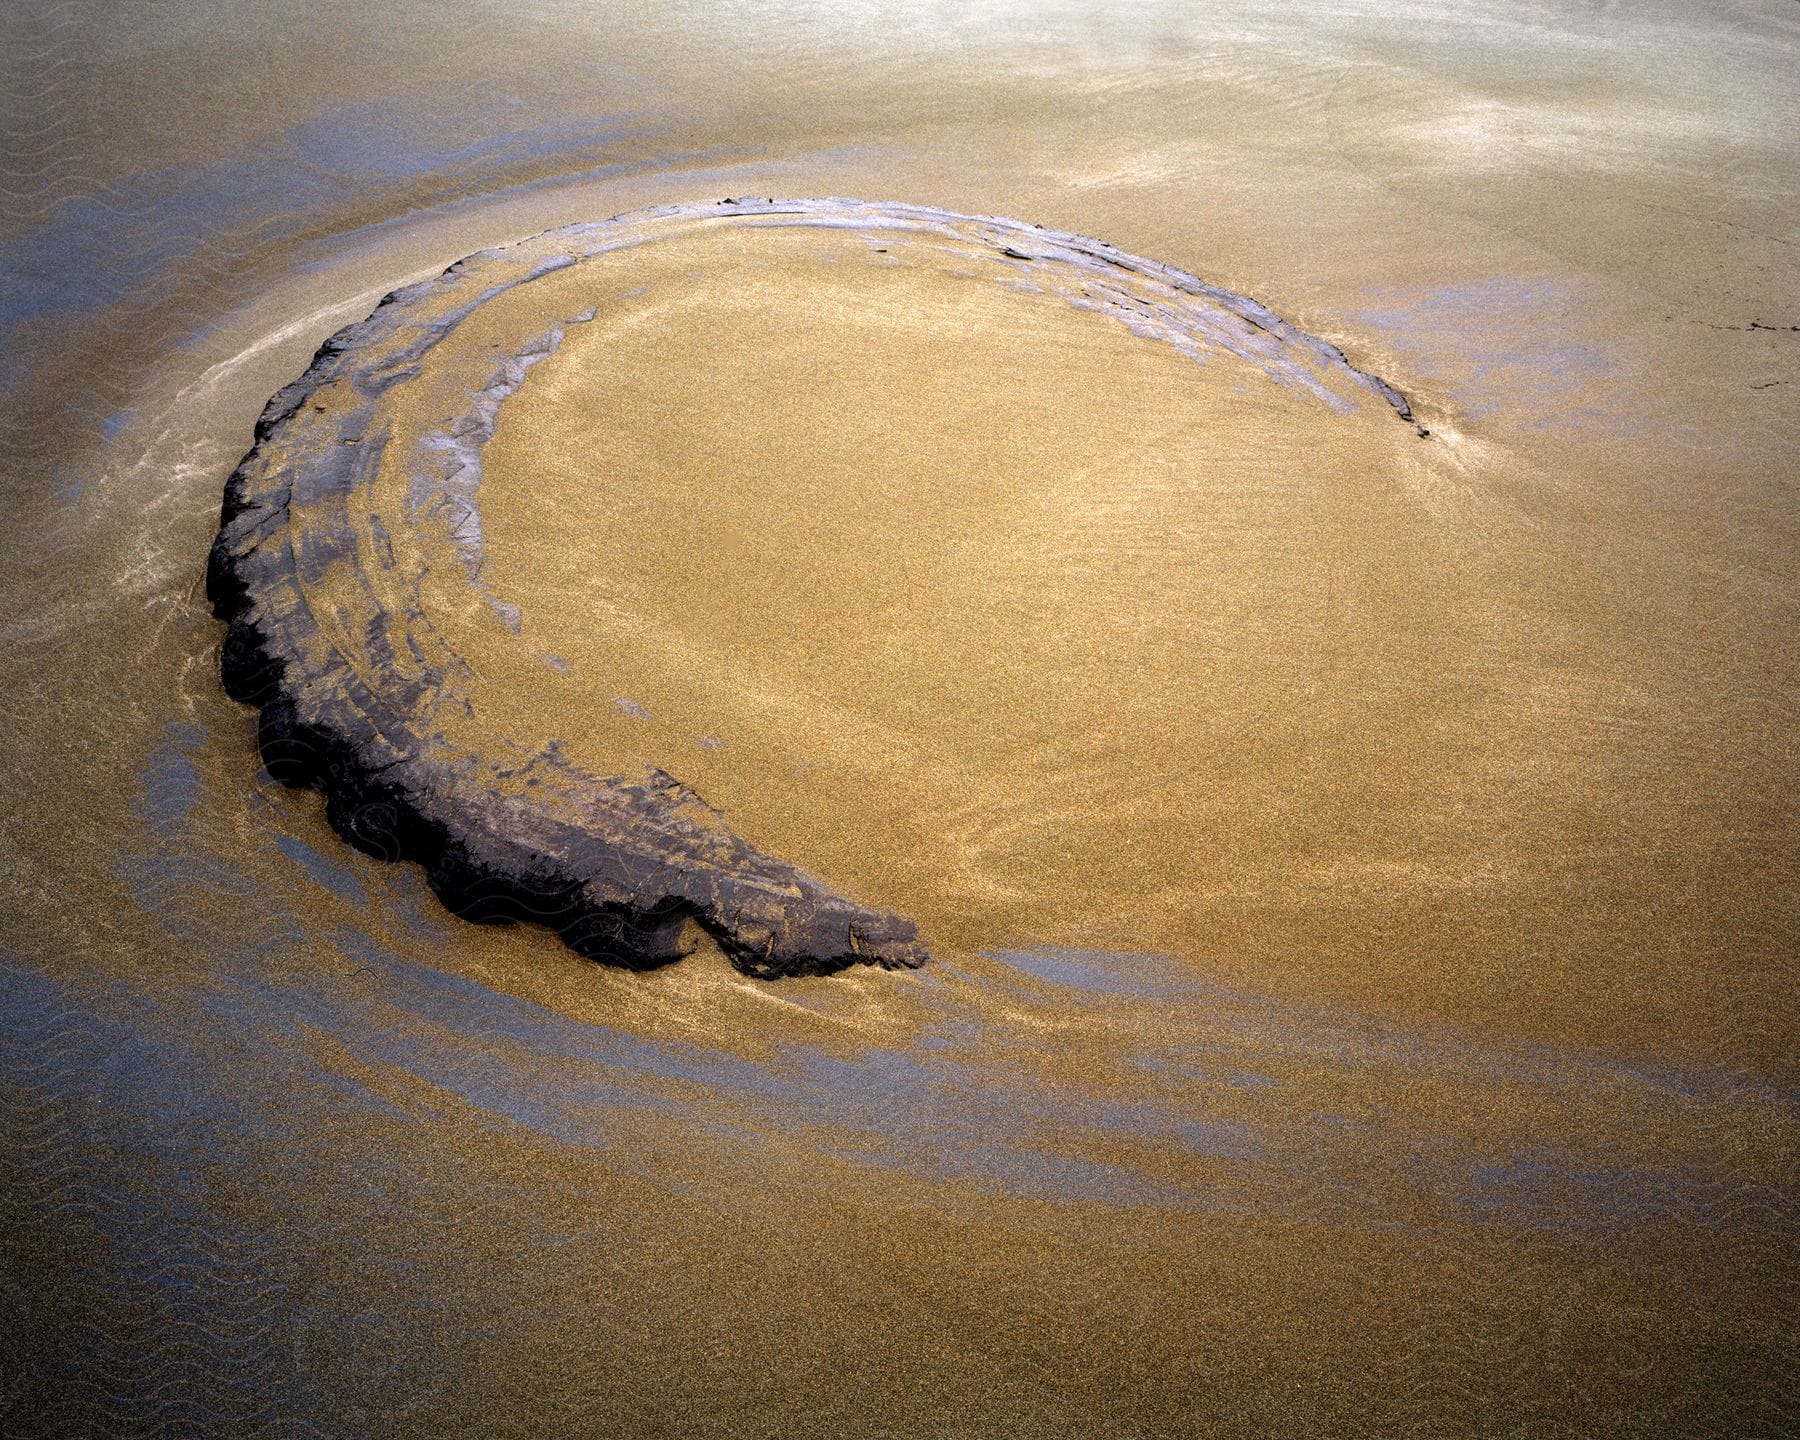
column 1359, row 867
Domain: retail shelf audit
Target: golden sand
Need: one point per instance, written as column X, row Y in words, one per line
column 934, row 583
column 1362, row 868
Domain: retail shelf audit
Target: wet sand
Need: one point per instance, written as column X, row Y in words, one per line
column 1360, row 868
